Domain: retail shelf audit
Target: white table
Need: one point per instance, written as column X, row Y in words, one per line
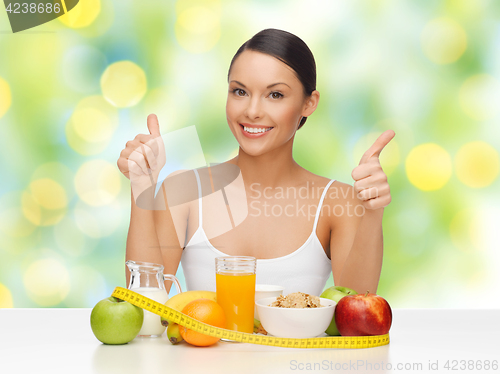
column 52, row 341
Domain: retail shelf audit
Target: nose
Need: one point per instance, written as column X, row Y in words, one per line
column 254, row 109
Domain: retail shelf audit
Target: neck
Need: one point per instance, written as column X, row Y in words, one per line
column 272, row 169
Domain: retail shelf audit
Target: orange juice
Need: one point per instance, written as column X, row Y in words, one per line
column 236, row 296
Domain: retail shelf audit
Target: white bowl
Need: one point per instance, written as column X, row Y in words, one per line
column 295, row 322
column 266, row 290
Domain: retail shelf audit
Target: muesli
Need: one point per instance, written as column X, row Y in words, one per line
column 297, row 300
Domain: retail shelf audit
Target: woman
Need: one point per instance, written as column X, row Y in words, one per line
column 272, row 91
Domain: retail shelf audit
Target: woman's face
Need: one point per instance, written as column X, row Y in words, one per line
column 265, row 102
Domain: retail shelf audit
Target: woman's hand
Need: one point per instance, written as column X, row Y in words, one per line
column 370, row 181
column 143, row 158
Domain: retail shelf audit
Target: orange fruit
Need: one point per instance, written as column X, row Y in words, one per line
column 206, row 311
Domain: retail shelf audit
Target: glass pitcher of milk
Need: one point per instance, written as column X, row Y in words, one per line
column 147, row 279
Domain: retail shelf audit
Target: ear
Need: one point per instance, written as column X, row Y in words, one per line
column 311, row 104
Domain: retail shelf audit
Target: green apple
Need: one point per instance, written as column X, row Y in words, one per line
column 115, row 321
column 336, row 293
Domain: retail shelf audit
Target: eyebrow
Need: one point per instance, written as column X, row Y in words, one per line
column 271, row 85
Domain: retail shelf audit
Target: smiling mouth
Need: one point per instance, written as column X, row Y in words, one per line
column 256, row 130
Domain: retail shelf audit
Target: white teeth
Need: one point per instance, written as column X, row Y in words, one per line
column 253, row 130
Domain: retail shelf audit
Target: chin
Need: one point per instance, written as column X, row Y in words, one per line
column 253, row 151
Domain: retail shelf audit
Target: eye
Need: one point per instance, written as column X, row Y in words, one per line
column 276, row 95
column 239, row 92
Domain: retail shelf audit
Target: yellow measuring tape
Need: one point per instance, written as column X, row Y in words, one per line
column 243, row 337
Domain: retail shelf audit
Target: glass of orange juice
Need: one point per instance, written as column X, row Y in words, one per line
column 235, row 283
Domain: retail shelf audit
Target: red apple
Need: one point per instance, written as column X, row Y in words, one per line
column 360, row 315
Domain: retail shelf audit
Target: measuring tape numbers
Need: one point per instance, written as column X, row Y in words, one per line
column 346, row 342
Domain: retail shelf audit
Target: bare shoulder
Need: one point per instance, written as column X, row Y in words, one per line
column 179, row 184
column 341, row 207
column 344, row 207
column 341, row 204
column 341, row 192
column 312, row 179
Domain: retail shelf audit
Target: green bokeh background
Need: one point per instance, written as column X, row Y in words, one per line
column 428, row 70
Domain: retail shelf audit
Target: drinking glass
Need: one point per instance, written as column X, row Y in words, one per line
column 235, row 282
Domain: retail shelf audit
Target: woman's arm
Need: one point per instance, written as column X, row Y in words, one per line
column 152, row 237
column 356, row 246
column 142, row 241
column 170, row 235
column 356, row 242
column 363, row 265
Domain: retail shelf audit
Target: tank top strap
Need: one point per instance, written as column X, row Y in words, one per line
column 320, row 204
column 200, row 212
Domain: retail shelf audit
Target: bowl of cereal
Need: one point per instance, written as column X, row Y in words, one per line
column 297, row 315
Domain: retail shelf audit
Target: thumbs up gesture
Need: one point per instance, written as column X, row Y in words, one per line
column 143, row 158
column 370, row 181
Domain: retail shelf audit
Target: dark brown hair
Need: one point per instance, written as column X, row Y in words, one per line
column 289, row 49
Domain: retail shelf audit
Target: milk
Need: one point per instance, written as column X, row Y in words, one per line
column 152, row 322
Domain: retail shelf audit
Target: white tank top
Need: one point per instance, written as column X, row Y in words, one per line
column 305, row 270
